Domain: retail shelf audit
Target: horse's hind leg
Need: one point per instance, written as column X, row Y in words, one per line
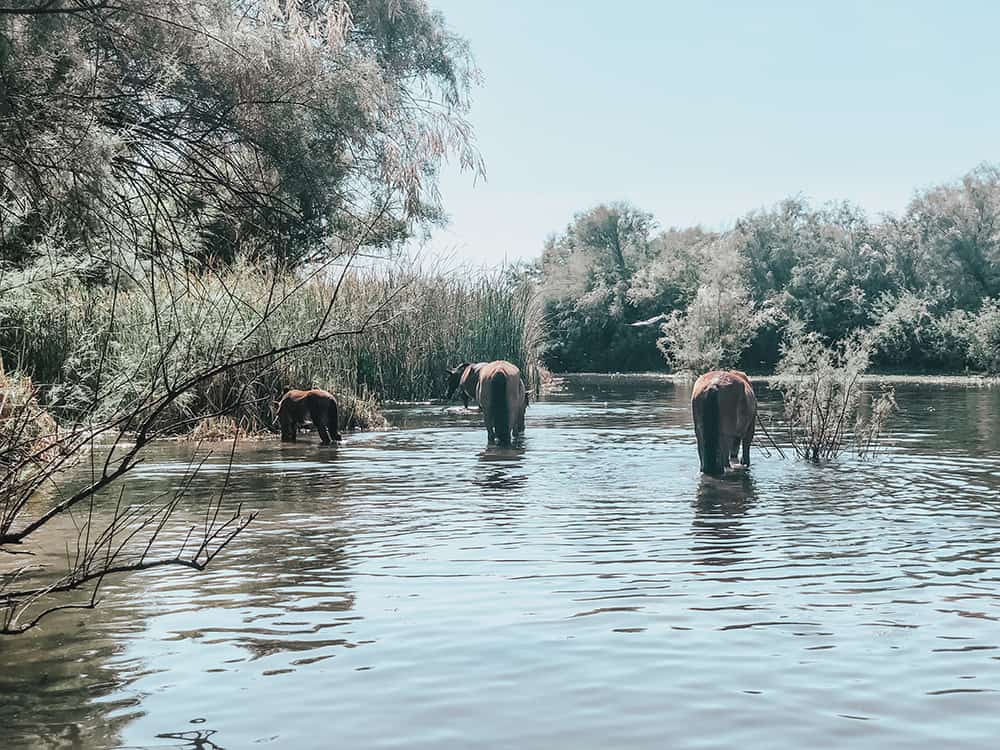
column 747, row 439
column 287, row 428
column 319, row 420
column 333, row 418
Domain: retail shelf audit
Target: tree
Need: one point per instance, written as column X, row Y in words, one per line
column 145, row 147
column 955, row 232
column 126, row 411
column 722, row 319
column 587, row 272
column 209, row 129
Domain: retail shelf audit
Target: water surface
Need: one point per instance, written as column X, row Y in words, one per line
column 589, row 589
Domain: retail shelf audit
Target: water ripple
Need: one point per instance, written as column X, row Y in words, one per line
column 589, row 588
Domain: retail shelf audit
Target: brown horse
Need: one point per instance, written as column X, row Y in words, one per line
column 321, row 407
column 724, row 407
column 463, row 378
column 502, row 400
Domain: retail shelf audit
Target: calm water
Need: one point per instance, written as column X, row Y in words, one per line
column 411, row 589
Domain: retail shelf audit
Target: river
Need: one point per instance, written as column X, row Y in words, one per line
column 589, row 589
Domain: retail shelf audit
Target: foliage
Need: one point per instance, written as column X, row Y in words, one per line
column 27, row 431
column 907, row 329
column 587, row 273
column 211, row 130
column 984, row 348
column 822, row 393
column 713, row 331
column 923, row 282
column 722, row 319
column 417, row 322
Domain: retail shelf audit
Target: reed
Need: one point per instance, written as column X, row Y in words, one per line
column 97, row 347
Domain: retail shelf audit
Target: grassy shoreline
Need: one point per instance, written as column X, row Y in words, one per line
column 98, row 349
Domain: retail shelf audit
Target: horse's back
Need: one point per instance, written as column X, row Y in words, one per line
column 318, row 394
column 299, row 400
column 737, row 401
column 723, row 380
column 489, row 371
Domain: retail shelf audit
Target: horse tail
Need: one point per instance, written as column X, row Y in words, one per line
column 710, row 432
column 500, row 407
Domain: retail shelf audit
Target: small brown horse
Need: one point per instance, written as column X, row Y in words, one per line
column 502, row 400
column 724, row 407
column 464, row 378
column 321, row 407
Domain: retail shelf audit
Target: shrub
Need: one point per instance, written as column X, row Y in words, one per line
column 714, row 330
column 822, row 393
column 984, row 346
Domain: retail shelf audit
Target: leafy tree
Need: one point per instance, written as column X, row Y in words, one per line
column 671, row 278
column 954, row 231
column 272, row 130
column 923, row 284
column 587, row 272
column 722, row 319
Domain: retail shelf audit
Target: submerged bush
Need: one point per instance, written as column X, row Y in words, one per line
column 822, row 393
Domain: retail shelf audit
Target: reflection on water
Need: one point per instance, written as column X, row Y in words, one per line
column 719, row 534
column 501, row 468
column 586, row 588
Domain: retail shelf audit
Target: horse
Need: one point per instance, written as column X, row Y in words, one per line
column 502, row 400
column 463, row 378
column 724, row 407
column 322, row 409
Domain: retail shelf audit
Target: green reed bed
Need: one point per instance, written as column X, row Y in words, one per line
column 95, row 348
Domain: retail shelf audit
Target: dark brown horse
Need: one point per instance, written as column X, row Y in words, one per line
column 464, row 379
column 502, row 400
column 321, row 407
column 724, row 407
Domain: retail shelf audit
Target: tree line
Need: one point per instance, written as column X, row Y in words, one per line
column 923, row 287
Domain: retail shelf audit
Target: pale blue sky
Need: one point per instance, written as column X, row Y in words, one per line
column 702, row 111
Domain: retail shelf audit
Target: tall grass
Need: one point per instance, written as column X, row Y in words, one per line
column 97, row 346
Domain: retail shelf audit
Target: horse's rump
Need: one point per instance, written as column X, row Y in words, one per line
column 501, row 396
column 724, row 407
column 320, row 405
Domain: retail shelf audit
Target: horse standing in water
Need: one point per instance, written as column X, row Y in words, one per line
column 724, row 407
column 322, row 409
column 464, row 379
column 502, row 400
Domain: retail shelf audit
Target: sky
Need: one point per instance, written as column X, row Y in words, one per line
column 700, row 112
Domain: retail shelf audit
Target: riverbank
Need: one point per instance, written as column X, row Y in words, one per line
column 247, row 334
column 970, row 380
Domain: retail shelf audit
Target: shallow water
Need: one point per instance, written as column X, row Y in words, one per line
column 589, row 589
